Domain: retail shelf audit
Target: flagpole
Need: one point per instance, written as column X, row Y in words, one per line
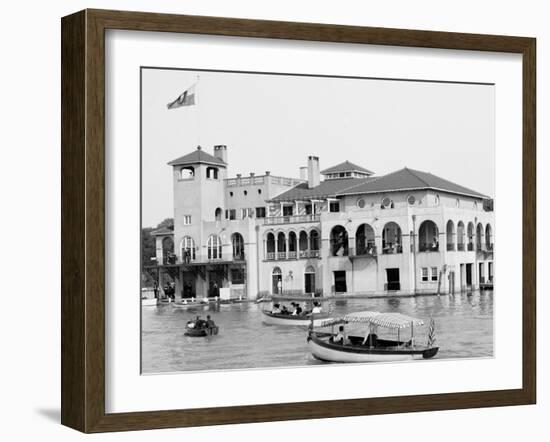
column 197, row 111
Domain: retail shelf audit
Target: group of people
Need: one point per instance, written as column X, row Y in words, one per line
column 295, row 309
column 201, row 323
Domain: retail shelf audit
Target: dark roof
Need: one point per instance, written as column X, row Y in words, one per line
column 327, row 188
column 197, row 156
column 346, row 166
column 162, row 231
column 405, row 179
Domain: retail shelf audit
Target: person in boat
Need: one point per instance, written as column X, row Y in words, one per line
column 340, row 337
column 370, row 340
column 210, row 322
column 284, row 310
column 276, row 309
column 297, row 309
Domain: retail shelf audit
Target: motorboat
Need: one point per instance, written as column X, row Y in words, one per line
column 332, row 346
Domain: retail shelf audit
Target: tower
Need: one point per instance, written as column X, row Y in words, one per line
column 198, row 180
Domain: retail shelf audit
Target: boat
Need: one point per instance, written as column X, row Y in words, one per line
column 199, row 328
column 304, row 319
column 368, row 347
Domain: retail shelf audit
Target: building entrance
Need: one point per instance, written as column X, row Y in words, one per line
column 393, row 282
column 340, row 285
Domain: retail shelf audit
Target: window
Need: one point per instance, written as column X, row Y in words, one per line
column 230, row 193
column 230, row 214
column 247, row 213
column 259, row 191
column 187, row 249
column 287, row 210
column 334, row 207
column 361, row 203
column 237, row 276
column 245, row 192
column 214, row 247
column 434, row 273
column 260, row 212
column 186, row 220
column 411, row 200
column 187, row 173
column 386, row 203
column 436, row 200
column 457, row 202
column 309, row 209
column 212, row 173
column 424, row 274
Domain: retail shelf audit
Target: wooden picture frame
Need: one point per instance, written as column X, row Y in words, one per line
column 83, row 220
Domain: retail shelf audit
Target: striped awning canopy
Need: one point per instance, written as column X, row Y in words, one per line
column 388, row 320
column 395, row 320
column 364, row 317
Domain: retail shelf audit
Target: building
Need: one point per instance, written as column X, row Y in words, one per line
column 351, row 232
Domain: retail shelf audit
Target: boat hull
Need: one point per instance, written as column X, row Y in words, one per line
column 202, row 332
column 325, row 351
column 289, row 320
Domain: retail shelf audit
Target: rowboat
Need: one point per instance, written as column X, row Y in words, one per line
column 200, row 328
column 367, row 347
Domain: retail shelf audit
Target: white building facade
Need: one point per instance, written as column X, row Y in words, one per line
column 351, row 233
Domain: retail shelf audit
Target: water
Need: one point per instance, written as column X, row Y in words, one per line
column 464, row 329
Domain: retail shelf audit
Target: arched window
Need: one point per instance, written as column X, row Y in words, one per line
column 281, row 246
column 339, row 241
column 218, row 214
column 460, row 236
column 187, row 173
column 168, row 250
column 391, row 239
column 364, row 240
column 212, row 173
column 187, row 249
column 237, row 242
column 479, row 236
column 309, row 280
column 488, row 237
column 270, row 246
column 314, row 242
column 214, row 247
column 292, row 245
column 450, row 233
column 428, row 237
column 470, row 236
column 277, row 281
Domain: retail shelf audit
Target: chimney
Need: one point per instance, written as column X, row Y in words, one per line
column 220, row 151
column 267, row 172
column 313, row 172
column 303, row 173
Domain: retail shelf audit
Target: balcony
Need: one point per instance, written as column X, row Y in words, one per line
column 428, row 247
column 460, row 247
column 392, row 249
column 363, row 252
column 471, row 247
column 292, row 219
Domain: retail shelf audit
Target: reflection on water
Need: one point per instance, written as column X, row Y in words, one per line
column 464, row 328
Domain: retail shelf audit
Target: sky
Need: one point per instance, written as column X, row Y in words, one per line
column 273, row 122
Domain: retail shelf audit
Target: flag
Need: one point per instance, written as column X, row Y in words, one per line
column 185, row 99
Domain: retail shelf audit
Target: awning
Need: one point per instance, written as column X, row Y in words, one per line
column 363, row 317
column 395, row 320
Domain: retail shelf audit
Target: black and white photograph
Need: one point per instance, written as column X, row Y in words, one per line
column 297, row 220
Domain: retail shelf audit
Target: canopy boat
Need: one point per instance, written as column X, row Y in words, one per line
column 200, row 328
column 326, row 346
column 281, row 317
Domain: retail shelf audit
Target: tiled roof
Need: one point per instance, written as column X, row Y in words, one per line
column 327, row 188
column 405, row 179
column 197, row 156
column 346, row 166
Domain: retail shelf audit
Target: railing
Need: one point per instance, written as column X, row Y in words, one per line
column 302, row 254
column 450, row 247
column 292, row 219
column 460, row 247
column 369, row 250
column 392, row 250
column 428, row 247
